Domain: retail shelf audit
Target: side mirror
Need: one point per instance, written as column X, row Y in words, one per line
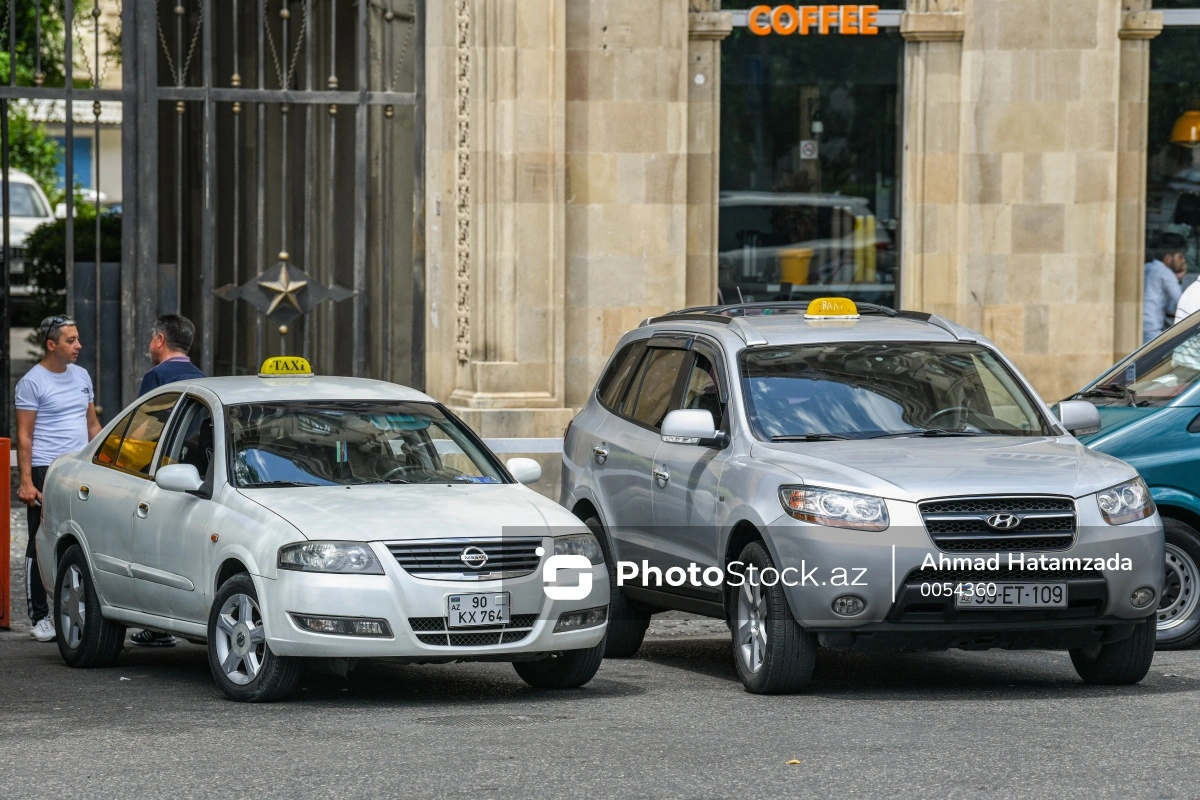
column 1079, row 417
column 525, row 470
column 178, row 478
column 692, row 426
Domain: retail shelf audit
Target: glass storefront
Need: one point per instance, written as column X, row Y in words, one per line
column 810, row 165
column 1173, row 163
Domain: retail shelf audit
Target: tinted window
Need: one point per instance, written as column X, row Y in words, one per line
column 1156, row 374
column 145, row 429
column 112, row 442
column 657, row 385
column 612, row 384
column 192, row 442
column 870, row 389
column 701, row 390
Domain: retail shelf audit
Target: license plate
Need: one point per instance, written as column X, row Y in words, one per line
column 1010, row 595
column 469, row 610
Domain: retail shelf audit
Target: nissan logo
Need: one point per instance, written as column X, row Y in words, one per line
column 474, row 557
column 1001, row 522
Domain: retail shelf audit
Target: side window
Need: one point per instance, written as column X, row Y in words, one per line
column 701, row 390
column 107, row 454
column 191, row 441
column 659, row 376
column 145, row 429
column 612, row 384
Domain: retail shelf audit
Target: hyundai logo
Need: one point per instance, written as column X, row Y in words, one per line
column 474, row 557
column 1001, row 522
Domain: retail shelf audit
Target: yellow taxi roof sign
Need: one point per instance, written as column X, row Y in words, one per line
column 831, row 308
column 284, row 366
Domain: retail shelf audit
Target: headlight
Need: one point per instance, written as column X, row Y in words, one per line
column 1125, row 503
column 345, row 557
column 831, row 507
column 583, row 544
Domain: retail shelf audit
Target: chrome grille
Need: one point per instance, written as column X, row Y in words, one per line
column 432, row 630
column 961, row 524
column 443, row 559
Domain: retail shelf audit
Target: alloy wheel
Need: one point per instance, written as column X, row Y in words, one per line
column 752, row 626
column 241, row 640
column 72, row 611
column 1180, row 591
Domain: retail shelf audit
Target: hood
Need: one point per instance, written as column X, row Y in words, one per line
column 1114, row 418
column 918, row 468
column 21, row 227
column 393, row 512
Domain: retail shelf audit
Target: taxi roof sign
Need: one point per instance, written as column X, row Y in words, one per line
column 284, row 366
column 831, row 308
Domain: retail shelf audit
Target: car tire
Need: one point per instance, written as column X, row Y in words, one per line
column 241, row 661
column 85, row 638
column 772, row 653
column 569, row 669
column 1179, row 608
column 627, row 619
column 1119, row 663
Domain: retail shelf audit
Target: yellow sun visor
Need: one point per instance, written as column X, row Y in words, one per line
column 285, row 367
column 831, row 308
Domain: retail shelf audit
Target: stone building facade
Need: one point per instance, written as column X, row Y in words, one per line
column 573, row 152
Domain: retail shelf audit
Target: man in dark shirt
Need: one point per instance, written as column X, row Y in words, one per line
column 170, row 340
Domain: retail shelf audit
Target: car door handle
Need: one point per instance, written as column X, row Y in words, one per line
column 143, row 509
column 662, row 476
column 84, row 491
column 600, row 454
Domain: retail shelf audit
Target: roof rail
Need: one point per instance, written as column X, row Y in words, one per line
column 768, row 308
column 934, row 319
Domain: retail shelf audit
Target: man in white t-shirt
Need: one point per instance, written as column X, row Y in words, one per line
column 1189, row 302
column 56, row 414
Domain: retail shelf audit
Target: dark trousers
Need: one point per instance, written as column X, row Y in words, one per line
column 35, row 592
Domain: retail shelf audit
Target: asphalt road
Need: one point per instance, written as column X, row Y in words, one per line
column 673, row 722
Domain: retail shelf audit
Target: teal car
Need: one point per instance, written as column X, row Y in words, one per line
column 1149, row 406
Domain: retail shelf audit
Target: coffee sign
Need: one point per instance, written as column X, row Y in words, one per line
column 821, row 20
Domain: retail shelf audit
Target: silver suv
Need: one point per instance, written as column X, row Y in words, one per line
column 860, row 479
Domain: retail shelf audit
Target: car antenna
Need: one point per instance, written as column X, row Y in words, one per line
column 740, row 298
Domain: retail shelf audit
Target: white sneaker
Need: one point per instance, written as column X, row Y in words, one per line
column 43, row 631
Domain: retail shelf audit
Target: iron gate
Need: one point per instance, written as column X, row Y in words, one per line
column 272, row 165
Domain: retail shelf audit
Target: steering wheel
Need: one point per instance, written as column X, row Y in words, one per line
column 952, row 409
column 394, row 471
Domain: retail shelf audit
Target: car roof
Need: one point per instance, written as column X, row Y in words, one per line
column 252, row 389
column 785, row 324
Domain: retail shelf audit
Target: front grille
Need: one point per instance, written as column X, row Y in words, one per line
column 961, row 524
column 442, row 560
column 432, row 630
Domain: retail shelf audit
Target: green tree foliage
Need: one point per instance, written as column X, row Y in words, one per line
column 29, row 15
column 46, row 249
column 32, row 151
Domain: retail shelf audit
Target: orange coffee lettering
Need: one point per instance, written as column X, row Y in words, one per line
column 829, row 16
column 808, row 19
column 849, row 23
column 784, row 20
column 755, row 23
column 868, row 26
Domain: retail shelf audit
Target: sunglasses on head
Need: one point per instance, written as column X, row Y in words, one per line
column 57, row 321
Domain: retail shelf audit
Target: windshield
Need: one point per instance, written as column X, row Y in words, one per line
column 873, row 389
column 25, row 201
column 342, row 443
column 1156, row 374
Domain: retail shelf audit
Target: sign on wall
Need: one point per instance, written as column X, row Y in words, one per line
column 785, row 20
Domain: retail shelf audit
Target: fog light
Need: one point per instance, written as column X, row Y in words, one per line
column 848, row 605
column 1141, row 597
column 343, row 626
column 577, row 620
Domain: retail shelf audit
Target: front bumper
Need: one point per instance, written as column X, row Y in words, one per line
column 886, row 570
column 397, row 597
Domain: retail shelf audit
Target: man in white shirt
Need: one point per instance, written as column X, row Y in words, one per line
column 1189, row 302
column 56, row 414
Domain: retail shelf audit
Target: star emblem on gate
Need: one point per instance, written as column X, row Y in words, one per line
column 283, row 292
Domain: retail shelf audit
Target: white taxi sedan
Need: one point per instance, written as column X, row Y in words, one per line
column 287, row 516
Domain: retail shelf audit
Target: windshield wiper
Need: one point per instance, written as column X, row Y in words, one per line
column 809, row 437
column 1117, row 390
column 268, row 484
column 932, row 433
